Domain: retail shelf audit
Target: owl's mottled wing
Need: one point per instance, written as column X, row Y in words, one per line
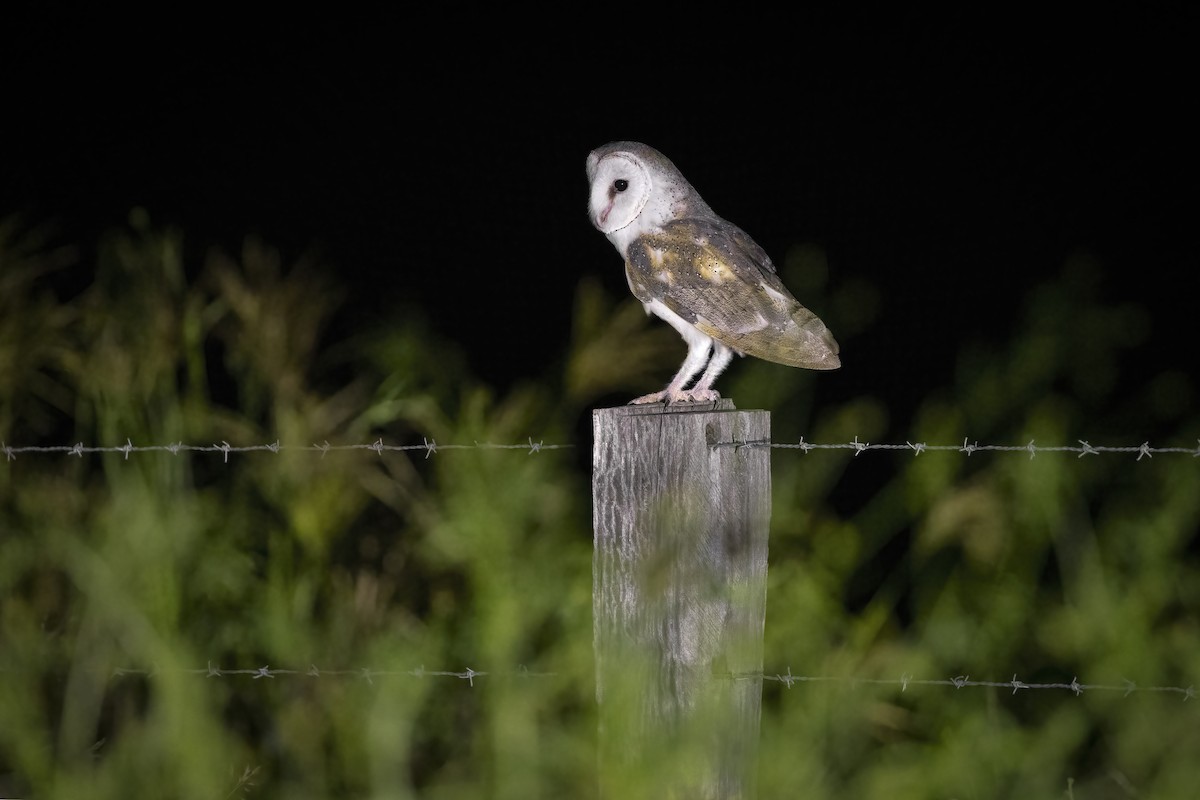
column 713, row 275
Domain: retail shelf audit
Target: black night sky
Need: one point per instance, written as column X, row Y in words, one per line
column 951, row 174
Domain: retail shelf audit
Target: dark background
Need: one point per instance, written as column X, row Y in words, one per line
column 443, row 172
column 437, row 167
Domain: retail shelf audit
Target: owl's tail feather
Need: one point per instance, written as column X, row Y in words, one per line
column 813, row 346
column 799, row 340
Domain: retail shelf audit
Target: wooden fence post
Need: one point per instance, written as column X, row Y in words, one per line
column 679, row 592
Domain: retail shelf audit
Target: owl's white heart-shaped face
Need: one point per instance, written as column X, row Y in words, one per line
column 620, row 188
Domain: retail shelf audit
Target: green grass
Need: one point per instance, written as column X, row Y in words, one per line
column 123, row 579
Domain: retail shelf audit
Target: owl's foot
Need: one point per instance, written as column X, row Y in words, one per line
column 681, row 396
column 698, row 396
column 653, row 397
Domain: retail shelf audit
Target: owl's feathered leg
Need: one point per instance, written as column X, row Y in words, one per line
column 674, row 393
column 721, row 357
column 699, row 345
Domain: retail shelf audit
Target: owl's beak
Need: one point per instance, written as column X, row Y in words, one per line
column 603, row 217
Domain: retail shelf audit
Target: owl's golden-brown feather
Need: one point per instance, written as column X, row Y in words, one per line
column 718, row 279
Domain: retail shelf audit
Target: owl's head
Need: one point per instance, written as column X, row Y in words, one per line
column 634, row 189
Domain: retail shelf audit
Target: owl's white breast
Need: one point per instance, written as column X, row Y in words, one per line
column 657, row 213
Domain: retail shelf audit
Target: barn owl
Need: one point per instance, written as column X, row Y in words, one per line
column 699, row 273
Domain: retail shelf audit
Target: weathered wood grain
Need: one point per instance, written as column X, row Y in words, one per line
column 679, row 589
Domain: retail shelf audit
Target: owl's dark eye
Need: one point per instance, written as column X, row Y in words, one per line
column 620, row 184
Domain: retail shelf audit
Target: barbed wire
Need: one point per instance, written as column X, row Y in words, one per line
column 1126, row 687
column 213, row 671
column 917, row 448
column 429, row 446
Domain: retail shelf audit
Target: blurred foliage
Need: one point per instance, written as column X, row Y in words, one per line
column 119, row 575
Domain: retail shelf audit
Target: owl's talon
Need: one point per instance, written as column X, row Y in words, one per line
column 668, row 397
column 654, row 397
